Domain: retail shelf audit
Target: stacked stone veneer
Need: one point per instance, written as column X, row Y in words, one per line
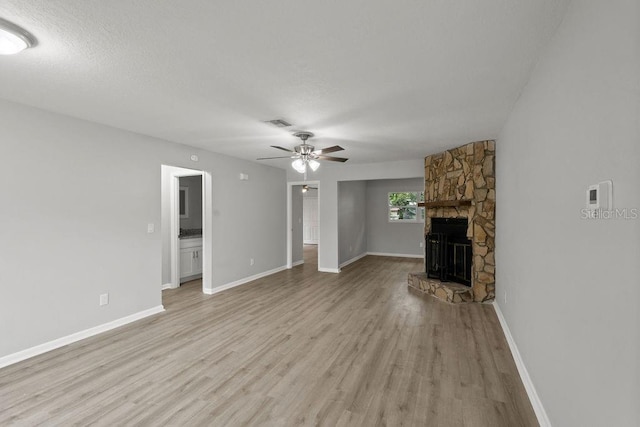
column 450, row 292
column 467, row 174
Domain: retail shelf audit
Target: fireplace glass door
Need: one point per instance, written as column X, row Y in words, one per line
column 448, row 251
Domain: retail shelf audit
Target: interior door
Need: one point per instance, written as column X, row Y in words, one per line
column 310, row 226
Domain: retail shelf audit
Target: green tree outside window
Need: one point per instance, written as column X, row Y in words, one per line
column 403, row 206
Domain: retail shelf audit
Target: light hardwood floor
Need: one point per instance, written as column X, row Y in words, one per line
column 295, row 348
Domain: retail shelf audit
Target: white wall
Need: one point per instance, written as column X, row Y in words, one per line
column 296, row 224
column 194, row 189
column 329, row 175
column 79, row 222
column 391, row 237
column 352, row 214
column 568, row 287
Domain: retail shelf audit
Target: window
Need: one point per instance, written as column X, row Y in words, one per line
column 403, row 207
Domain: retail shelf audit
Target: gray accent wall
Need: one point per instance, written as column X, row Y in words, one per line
column 389, row 237
column 79, row 222
column 352, row 234
column 569, row 287
column 297, row 254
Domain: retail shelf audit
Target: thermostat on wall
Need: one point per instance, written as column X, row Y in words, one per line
column 600, row 196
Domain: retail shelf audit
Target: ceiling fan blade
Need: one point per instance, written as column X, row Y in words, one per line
column 328, row 150
column 333, row 159
column 282, row 148
column 280, row 157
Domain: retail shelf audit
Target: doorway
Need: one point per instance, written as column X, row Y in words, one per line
column 190, row 231
column 303, row 221
column 186, row 227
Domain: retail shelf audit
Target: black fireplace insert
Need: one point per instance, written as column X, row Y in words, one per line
column 449, row 254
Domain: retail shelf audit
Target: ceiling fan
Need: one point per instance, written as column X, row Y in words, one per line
column 305, row 155
column 306, row 188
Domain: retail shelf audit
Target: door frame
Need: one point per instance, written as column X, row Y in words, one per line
column 174, row 225
column 290, row 186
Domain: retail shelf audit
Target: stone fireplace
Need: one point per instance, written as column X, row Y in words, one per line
column 460, row 184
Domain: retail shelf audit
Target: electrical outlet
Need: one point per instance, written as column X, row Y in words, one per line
column 421, row 243
column 104, row 299
column 350, row 248
column 251, row 261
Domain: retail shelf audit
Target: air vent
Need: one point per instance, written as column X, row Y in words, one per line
column 279, row 123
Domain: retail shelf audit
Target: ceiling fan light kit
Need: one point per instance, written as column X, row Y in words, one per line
column 306, row 156
column 299, row 165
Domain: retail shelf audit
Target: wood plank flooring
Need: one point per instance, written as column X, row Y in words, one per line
column 295, row 348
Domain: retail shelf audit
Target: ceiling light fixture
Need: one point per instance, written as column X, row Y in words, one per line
column 300, row 165
column 305, row 161
column 14, row 39
column 306, row 156
column 306, row 188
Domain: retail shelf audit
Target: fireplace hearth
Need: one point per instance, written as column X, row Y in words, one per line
column 448, row 251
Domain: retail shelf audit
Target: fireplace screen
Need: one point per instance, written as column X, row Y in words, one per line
column 449, row 254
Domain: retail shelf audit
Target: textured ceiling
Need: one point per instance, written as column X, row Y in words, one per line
column 387, row 80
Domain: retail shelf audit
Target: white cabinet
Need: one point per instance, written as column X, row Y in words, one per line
column 190, row 257
column 197, row 261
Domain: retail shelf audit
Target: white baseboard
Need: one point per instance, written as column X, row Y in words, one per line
column 69, row 339
column 328, row 270
column 541, row 414
column 167, row 286
column 297, row 263
column 243, row 281
column 354, row 259
column 395, row 255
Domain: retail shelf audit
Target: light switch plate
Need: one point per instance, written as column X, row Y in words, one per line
column 104, row 299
